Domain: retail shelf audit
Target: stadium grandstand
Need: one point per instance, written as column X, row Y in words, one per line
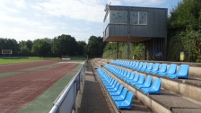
column 138, row 86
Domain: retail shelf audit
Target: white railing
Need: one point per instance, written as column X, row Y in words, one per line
column 66, row 101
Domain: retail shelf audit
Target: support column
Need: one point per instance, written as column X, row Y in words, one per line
column 128, row 42
column 165, row 52
column 128, row 47
column 117, row 50
column 145, row 50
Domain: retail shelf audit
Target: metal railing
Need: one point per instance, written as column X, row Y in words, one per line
column 66, row 102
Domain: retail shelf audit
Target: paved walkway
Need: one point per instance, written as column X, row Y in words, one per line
column 91, row 98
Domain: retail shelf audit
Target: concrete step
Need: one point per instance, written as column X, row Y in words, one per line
column 90, row 99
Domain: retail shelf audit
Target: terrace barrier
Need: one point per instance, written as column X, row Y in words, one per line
column 66, row 101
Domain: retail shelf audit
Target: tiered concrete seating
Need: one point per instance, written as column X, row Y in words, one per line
column 176, row 79
column 154, row 87
column 120, row 96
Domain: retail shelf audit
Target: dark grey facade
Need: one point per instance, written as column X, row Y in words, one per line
column 136, row 24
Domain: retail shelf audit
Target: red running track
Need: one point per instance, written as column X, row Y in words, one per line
column 18, row 90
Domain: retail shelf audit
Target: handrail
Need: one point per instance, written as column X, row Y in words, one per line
column 71, row 86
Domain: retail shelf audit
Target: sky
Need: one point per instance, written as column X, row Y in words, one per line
column 35, row 19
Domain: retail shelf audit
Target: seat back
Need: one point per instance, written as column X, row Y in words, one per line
column 132, row 64
column 172, row 69
column 139, row 66
column 150, row 65
column 129, row 98
column 114, row 83
column 148, row 81
column 125, row 73
column 136, row 65
column 141, row 79
column 122, row 73
column 120, row 88
column 183, row 71
column 123, row 93
column 136, row 76
column 144, row 65
column 128, row 74
column 117, row 85
column 111, row 81
column 156, row 84
column 162, row 68
column 155, row 67
column 132, row 75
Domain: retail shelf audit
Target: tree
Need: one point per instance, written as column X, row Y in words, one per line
column 41, row 47
column 82, row 48
column 24, row 49
column 64, row 45
column 95, row 46
column 184, row 30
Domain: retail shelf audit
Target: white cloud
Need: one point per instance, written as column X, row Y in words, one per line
column 88, row 10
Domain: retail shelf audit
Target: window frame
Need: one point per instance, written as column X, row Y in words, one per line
column 138, row 17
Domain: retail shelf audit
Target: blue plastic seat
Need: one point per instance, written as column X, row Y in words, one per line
column 171, row 70
column 115, row 88
column 109, row 82
column 162, row 69
column 149, row 67
column 119, row 88
column 139, row 66
column 132, row 64
column 132, row 75
column 123, row 74
column 118, row 92
column 126, row 103
column 155, row 87
column 146, row 84
column 122, row 96
column 143, row 67
column 181, row 73
column 136, row 65
column 155, row 68
column 127, row 76
column 140, row 80
column 135, row 78
column 111, row 86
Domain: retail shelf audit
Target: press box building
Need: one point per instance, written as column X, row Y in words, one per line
column 137, row 24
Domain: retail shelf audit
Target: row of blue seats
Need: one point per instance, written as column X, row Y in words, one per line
column 170, row 71
column 120, row 95
column 136, row 80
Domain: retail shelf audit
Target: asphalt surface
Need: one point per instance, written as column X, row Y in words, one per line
column 93, row 100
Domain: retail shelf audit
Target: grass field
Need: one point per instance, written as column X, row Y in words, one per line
column 32, row 59
column 11, row 61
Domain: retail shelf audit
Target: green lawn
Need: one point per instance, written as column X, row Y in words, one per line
column 32, row 59
column 10, row 61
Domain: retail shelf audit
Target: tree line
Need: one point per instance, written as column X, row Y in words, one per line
column 56, row 47
column 184, row 30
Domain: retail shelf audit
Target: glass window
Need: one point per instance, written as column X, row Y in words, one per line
column 143, row 18
column 134, row 17
column 118, row 16
column 138, row 18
